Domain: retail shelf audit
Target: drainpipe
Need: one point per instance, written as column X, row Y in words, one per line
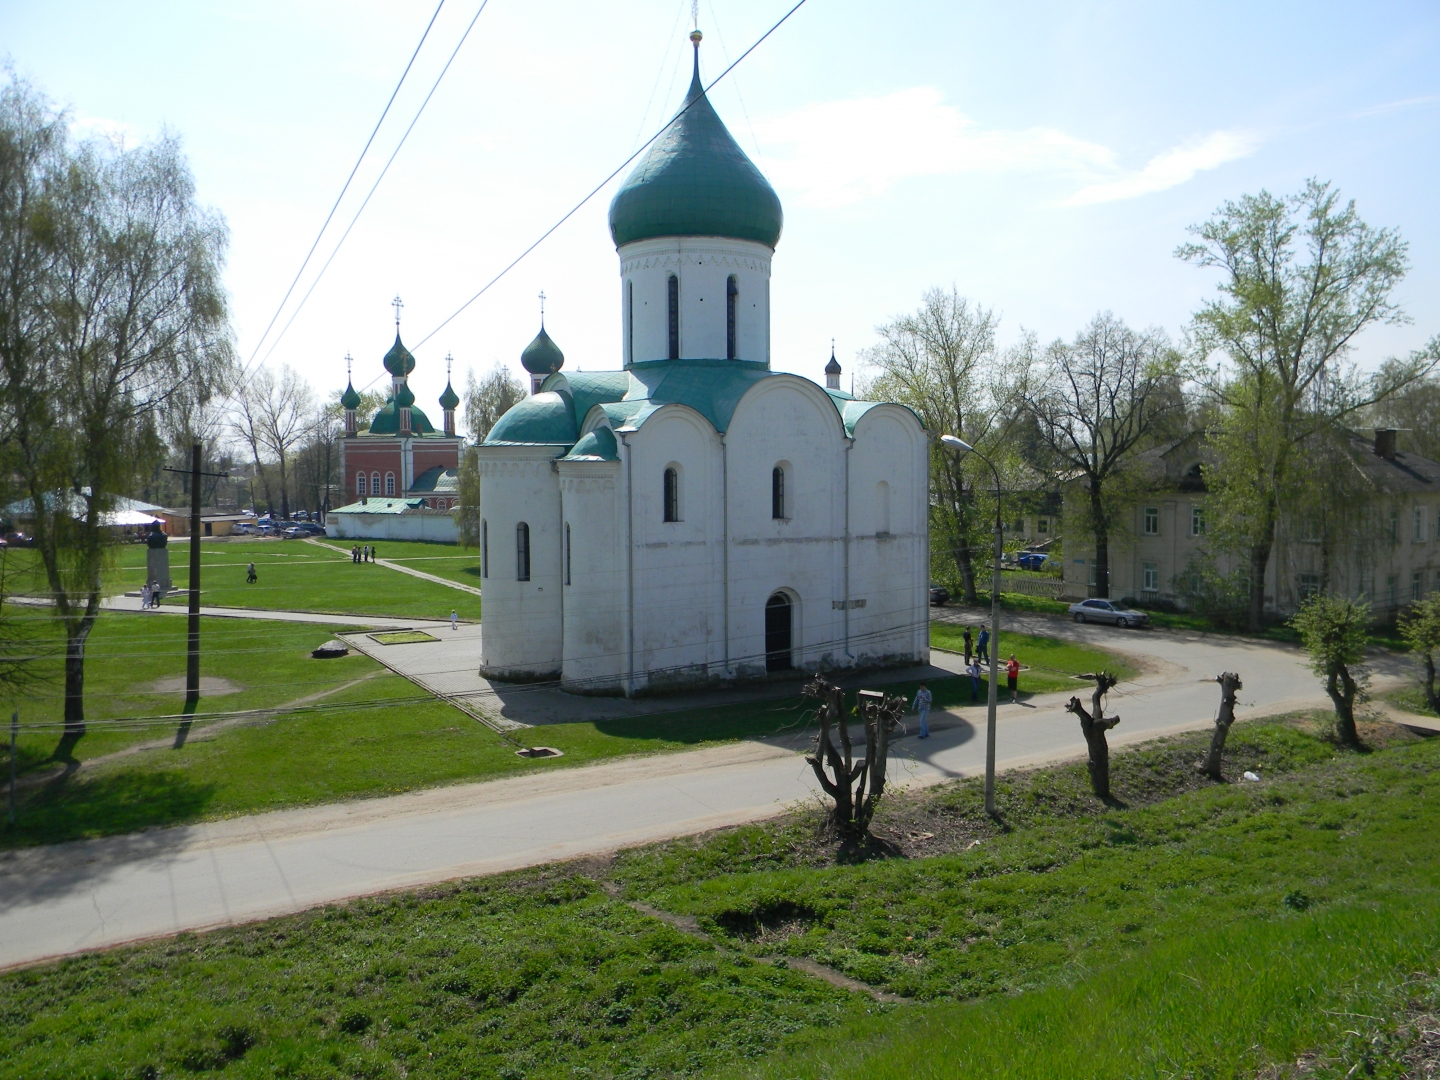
column 564, row 553
column 629, row 567
column 725, row 539
column 848, row 444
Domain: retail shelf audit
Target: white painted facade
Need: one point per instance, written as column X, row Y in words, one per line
column 703, row 267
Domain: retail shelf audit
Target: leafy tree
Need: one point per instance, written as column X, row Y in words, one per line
column 1303, row 276
column 1097, row 401
column 1420, row 627
column 111, row 303
column 941, row 361
column 1333, row 630
column 1414, row 408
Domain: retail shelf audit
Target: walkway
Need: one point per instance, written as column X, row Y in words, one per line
column 373, row 622
column 403, row 569
column 74, row 897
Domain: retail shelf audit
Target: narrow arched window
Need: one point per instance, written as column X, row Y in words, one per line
column 882, row 507
column 630, row 322
column 674, row 317
column 522, row 552
column 672, row 495
column 360, row 488
column 484, row 548
column 389, row 483
column 732, row 301
column 374, row 483
column 567, row 553
column 777, row 492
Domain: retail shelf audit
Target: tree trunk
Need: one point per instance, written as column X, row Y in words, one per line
column 1259, row 561
column 1229, row 684
column 75, row 638
column 1101, row 529
column 1342, row 689
column 1093, row 725
column 964, row 559
column 856, row 787
column 1432, row 698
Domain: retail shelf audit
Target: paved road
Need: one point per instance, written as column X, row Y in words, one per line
column 74, row 897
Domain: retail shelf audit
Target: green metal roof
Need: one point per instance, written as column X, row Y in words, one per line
column 437, row 480
column 398, row 360
column 542, row 356
column 696, row 181
column 597, row 445
column 381, row 506
column 405, row 397
column 449, row 399
column 586, row 389
column 711, row 387
column 350, row 399
column 387, row 420
column 545, row 419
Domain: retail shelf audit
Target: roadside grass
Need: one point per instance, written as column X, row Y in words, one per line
column 1412, row 699
column 1052, row 663
column 443, row 560
column 1205, row 930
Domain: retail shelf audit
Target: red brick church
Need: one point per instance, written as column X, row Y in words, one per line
column 402, row 455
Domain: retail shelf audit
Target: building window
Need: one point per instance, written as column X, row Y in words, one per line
column 567, row 553
column 1042, row 525
column 1394, row 526
column 484, row 548
column 882, row 508
column 389, row 483
column 360, row 486
column 1307, row 586
column 777, row 493
column 1152, row 521
column 1151, row 577
column 1091, row 578
column 374, row 483
column 522, row 552
column 1392, row 590
column 1417, row 585
column 1197, row 521
column 672, row 494
column 674, row 317
column 732, row 301
column 630, row 321
column 1419, row 525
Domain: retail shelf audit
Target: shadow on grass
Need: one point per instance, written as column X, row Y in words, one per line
column 117, row 802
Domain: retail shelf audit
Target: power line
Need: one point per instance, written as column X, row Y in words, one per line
column 275, row 344
column 600, row 186
column 270, row 325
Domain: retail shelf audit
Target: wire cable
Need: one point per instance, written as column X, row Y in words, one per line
column 600, row 186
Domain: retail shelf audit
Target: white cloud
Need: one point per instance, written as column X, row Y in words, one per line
column 1171, row 168
column 841, row 152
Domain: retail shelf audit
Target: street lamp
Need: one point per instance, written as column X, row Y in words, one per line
column 964, row 448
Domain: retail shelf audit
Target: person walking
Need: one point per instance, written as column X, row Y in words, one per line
column 373, row 556
column 922, row 706
column 983, row 650
column 973, row 670
column 365, row 553
column 1012, row 679
column 250, row 576
column 454, row 619
column 145, row 595
column 969, row 645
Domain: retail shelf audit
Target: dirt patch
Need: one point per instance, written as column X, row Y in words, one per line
column 210, row 686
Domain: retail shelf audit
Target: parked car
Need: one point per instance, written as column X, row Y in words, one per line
column 19, row 539
column 939, row 595
column 1108, row 611
column 1031, row 560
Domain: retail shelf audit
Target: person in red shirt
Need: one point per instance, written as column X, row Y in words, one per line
column 1012, row 676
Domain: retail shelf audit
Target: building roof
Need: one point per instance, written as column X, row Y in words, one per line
column 542, row 356
column 597, row 445
column 1402, row 473
column 437, row 480
column 545, row 419
column 449, row 399
column 833, row 367
column 398, row 361
column 350, row 399
column 405, row 397
column 384, row 506
column 387, row 420
column 696, row 181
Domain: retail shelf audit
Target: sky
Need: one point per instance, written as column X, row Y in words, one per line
column 1044, row 159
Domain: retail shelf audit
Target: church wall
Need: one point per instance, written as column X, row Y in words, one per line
column 790, row 421
column 595, row 600
column 889, row 557
column 702, row 266
column 678, row 565
column 522, row 619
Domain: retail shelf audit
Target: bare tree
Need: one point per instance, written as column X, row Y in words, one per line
column 489, row 399
column 273, row 417
column 941, row 361
column 855, row 786
column 111, row 304
column 1096, row 402
column 1093, row 725
column 1230, row 685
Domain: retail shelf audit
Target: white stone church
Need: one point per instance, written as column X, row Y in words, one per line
column 696, row 517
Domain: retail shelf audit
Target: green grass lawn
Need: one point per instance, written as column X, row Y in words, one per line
column 1203, row 930
column 1051, row 663
column 443, row 560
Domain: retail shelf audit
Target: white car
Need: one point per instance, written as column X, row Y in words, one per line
column 1108, row 611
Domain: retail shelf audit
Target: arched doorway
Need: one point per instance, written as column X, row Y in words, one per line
column 778, row 623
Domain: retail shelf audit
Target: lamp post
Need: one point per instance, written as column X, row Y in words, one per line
column 964, row 448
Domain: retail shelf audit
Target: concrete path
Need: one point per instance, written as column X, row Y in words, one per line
column 403, row 569
column 74, row 897
column 376, row 622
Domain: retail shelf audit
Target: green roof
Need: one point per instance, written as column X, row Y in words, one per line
column 597, row 445
column 350, row 399
column 545, row 419
column 711, row 387
column 542, row 356
column 387, row 420
column 437, row 480
column 398, row 360
column 696, row 181
column 381, row 506
column 405, row 397
column 449, row 399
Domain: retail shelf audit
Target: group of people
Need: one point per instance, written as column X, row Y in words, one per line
column 151, row 594
column 364, row 553
column 975, row 652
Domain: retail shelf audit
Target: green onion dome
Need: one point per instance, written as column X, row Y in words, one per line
column 404, row 397
column 833, row 367
column 350, row 399
column 542, row 356
column 449, row 399
column 398, row 361
column 696, row 181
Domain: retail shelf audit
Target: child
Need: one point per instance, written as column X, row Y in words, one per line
column 973, row 670
column 1012, row 678
column 922, row 706
column 454, row 619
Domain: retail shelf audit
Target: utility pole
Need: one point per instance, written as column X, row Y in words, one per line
column 192, row 657
column 14, row 730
